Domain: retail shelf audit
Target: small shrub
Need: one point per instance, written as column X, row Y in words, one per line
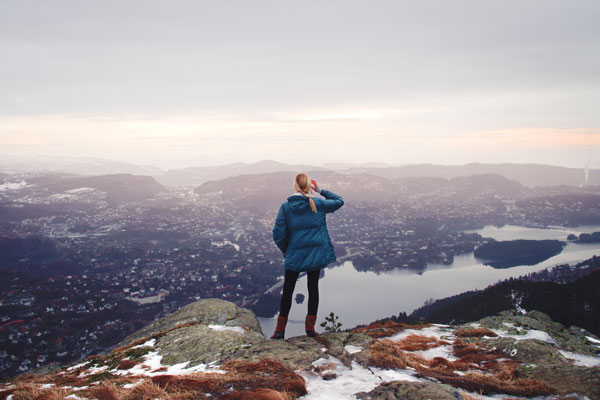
column 331, row 323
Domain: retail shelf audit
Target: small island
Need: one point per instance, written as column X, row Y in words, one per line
column 512, row 253
column 585, row 238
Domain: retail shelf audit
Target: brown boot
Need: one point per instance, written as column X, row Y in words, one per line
column 309, row 325
column 280, row 328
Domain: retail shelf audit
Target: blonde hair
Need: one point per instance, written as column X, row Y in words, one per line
column 302, row 185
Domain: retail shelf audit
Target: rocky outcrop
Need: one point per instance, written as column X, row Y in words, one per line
column 207, row 312
column 572, row 339
column 214, row 347
column 544, row 349
column 411, row 391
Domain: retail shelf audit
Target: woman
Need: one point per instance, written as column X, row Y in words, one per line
column 300, row 232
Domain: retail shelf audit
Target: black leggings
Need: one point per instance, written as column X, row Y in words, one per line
column 288, row 290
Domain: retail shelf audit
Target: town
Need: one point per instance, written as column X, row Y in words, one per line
column 80, row 277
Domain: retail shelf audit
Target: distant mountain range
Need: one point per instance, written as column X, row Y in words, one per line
column 198, row 175
column 267, row 190
column 73, row 165
column 526, row 174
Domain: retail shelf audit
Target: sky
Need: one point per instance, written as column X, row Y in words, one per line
column 188, row 83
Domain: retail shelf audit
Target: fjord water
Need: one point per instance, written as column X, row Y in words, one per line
column 362, row 297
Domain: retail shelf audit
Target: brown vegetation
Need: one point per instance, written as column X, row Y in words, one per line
column 418, row 342
column 127, row 364
column 263, row 380
column 387, row 328
column 483, row 370
column 474, row 332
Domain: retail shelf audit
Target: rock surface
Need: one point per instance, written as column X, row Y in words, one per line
column 212, row 333
column 190, row 338
column 572, row 339
column 209, row 311
column 542, row 360
column 411, row 391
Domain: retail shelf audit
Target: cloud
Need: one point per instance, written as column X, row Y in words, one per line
column 530, row 138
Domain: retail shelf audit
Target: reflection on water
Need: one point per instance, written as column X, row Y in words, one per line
column 362, row 297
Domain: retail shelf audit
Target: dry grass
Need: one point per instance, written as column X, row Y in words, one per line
column 35, row 392
column 474, row 332
column 263, row 380
column 127, row 364
column 387, row 328
column 484, row 373
column 418, row 342
column 256, row 394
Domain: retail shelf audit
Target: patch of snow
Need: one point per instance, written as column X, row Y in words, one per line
column 475, row 324
column 440, row 332
column 74, row 397
column 47, row 386
column 152, row 363
column 227, row 328
column 148, row 343
column 517, row 299
column 349, row 381
column 323, row 349
column 132, row 385
column 388, row 375
column 83, row 364
column 593, row 340
column 353, row 349
column 10, row 397
column 441, row 351
column 93, row 370
column 531, row 334
column 509, row 324
column 581, row 360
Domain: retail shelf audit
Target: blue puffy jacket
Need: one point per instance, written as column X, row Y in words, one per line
column 301, row 234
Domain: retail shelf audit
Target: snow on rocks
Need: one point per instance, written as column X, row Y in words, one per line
column 348, row 382
column 227, row 328
column 593, row 340
column 580, row 359
column 151, row 366
column 352, row 349
column 530, row 334
column 438, row 331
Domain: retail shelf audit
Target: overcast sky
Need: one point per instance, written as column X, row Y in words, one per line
column 184, row 83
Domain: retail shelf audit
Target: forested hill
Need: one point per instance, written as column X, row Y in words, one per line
column 574, row 303
column 507, row 254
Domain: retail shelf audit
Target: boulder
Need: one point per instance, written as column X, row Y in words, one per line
column 411, row 391
column 581, row 380
column 571, row 339
column 209, row 311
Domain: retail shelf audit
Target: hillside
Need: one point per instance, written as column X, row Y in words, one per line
column 510, row 253
column 54, row 189
column 194, row 176
column 213, row 349
column 572, row 304
column 526, row 174
column 264, row 189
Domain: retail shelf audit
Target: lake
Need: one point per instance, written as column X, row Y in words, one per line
column 363, row 297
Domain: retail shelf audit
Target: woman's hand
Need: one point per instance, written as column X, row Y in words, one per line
column 315, row 186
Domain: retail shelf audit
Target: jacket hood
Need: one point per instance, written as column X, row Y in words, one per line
column 298, row 203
